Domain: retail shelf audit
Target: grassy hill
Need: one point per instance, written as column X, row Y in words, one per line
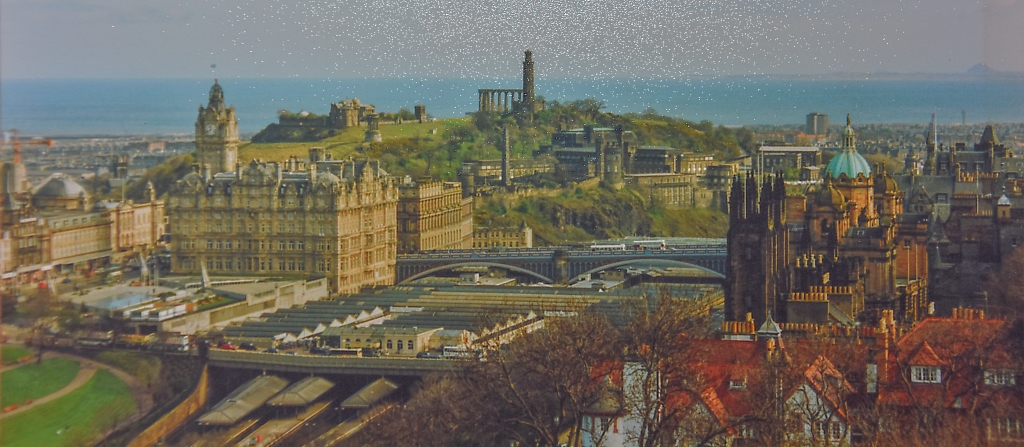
column 349, row 140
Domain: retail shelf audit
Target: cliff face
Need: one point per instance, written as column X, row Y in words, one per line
column 277, row 133
column 585, row 214
column 599, row 213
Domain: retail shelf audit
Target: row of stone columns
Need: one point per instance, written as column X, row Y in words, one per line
column 498, row 100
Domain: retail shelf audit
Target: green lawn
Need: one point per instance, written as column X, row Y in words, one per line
column 86, row 412
column 345, row 143
column 33, row 381
column 11, row 354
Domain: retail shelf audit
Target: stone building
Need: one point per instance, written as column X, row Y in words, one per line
column 217, row 133
column 433, row 215
column 667, row 189
column 348, row 114
column 842, row 251
column 330, row 218
column 786, row 158
column 57, row 226
column 521, row 237
column 475, row 173
column 583, row 153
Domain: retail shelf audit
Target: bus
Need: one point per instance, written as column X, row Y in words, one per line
column 654, row 244
column 456, row 352
column 597, row 247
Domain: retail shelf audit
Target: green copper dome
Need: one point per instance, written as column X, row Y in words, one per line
column 848, row 161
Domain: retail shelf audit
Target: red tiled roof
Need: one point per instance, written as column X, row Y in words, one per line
column 925, row 356
column 959, row 347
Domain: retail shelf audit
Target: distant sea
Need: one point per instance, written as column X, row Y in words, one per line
column 119, row 107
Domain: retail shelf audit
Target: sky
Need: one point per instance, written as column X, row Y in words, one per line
column 485, row 38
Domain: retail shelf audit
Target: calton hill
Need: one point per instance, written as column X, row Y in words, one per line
column 559, row 211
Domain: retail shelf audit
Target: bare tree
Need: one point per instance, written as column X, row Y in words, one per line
column 544, row 381
column 528, row 392
column 659, row 340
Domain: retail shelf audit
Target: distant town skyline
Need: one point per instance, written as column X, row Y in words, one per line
column 484, row 38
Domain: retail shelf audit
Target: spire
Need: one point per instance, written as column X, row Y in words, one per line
column 988, row 137
column 766, row 200
column 769, row 329
column 216, row 96
column 736, row 200
column 751, row 197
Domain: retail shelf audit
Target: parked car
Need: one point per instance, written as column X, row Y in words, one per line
column 227, row 346
column 247, row 346
column 271, row 350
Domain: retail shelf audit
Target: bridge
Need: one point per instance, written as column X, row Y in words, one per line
column 317, row 364
column 560, row 264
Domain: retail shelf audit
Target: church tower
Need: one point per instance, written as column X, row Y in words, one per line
column 528, row 92
column 217, row 133
column 757, row 272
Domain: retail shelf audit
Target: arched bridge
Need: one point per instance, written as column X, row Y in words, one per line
column 556, row 264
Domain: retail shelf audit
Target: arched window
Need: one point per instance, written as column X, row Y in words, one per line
column 389, row 344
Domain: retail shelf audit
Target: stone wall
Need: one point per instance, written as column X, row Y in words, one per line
column 172, row 420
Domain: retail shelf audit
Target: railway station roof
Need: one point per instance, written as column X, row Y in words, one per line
column 243, row 400
column 301, row 393
column 369, row 395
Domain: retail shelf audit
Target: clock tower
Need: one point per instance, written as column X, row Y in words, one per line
column 217, row 133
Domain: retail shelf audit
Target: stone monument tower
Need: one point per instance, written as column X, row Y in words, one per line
column 372, row 128
column 528, row 103
column 217, row 133
column 506, row 158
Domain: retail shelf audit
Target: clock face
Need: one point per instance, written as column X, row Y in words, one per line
column 211, row 129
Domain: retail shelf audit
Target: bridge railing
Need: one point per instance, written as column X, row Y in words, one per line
column 259, row 360
column 537, row 252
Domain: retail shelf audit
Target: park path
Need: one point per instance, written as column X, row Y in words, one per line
column 84, row 374
column 88, row 368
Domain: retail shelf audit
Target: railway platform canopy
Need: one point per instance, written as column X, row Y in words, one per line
column 246, row 398
column 369, row 395
column 301, row 393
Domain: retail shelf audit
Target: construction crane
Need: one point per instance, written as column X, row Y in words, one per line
column 16, row 144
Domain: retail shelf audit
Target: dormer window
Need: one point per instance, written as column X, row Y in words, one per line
column 737, row 383
column 925, row 374
column 1000, row 377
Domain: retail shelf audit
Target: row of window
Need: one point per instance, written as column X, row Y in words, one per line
column 496, row 244
column 247, row 216
column 933, row 374
column 409, row 345
column 253, row 264
column 1005, row 429
column 258, row 245
column 73, row 222
column 259, row 264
